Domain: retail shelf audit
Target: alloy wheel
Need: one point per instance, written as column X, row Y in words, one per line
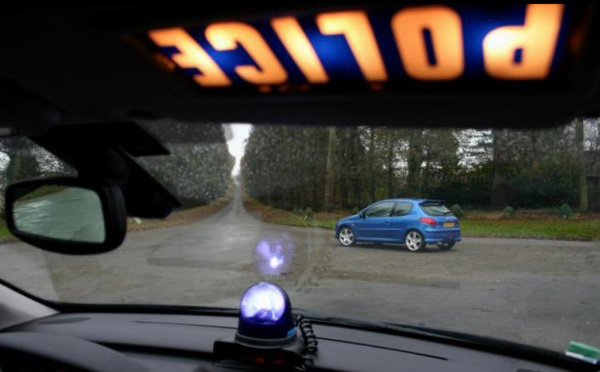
column 346, row 236
column 414, row 241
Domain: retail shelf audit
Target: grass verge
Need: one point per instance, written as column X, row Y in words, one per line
column 490, row 225
column 584, row 229
column 281, row 217
column 177, row 218
column 182, row 217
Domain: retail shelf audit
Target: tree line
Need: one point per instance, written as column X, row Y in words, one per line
column 327, row 168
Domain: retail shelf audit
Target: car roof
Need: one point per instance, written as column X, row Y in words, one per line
column 415, row 200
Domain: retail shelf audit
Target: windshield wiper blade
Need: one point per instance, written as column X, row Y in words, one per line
column 446, row 213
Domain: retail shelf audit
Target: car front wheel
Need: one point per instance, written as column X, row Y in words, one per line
column 346, row 236
column 414, row 241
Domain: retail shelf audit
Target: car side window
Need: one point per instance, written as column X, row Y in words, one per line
column 380, row 210
column 402, row 209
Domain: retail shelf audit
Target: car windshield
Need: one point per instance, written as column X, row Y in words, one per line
column 517, row 259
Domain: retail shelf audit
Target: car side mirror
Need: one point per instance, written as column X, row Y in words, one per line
column 67, row 215
column 361, row 215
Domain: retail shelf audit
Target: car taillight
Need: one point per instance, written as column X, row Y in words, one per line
column 429, row 221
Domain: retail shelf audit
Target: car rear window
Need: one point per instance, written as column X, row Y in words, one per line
column 435, row 209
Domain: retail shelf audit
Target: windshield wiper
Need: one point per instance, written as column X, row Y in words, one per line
column 446, row 213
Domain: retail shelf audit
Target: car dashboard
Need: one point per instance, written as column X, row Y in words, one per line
column 151, row 342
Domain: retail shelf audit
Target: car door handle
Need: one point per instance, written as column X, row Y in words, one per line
column 387, row 222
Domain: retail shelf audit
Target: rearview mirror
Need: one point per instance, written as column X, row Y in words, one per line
column 66, row 215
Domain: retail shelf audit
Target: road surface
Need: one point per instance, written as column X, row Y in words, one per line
column 538, row 292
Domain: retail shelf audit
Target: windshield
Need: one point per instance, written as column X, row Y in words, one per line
column 517, row 259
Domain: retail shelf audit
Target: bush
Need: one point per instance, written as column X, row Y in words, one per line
column 355, row 210
column 508, row 213
column 298, row 212
column 457, row 211
column 565, row 211
column 309, row 214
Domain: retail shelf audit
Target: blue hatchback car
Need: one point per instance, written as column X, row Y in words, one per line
column 412, row 222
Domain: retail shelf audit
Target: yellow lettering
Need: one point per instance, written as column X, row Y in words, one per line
column 191, row 55
column 536, row 39
column 355, row 26
column 226, row 36
column 297, row 44
column 445, row 28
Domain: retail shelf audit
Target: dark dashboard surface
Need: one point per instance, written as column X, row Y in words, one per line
column 185, row 343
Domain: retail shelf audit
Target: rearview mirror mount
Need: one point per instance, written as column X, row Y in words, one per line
column 67, row 215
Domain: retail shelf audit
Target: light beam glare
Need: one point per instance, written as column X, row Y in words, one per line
column 273, row 256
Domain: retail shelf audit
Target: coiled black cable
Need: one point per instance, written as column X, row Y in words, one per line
column 310, row 343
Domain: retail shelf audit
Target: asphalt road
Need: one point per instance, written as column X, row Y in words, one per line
column 538, row 292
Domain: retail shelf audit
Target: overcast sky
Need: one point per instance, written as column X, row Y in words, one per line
column 237, row 143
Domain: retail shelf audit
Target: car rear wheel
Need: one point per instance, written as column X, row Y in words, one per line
column 445, row 246
column 346, row 236
column 414, row 241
